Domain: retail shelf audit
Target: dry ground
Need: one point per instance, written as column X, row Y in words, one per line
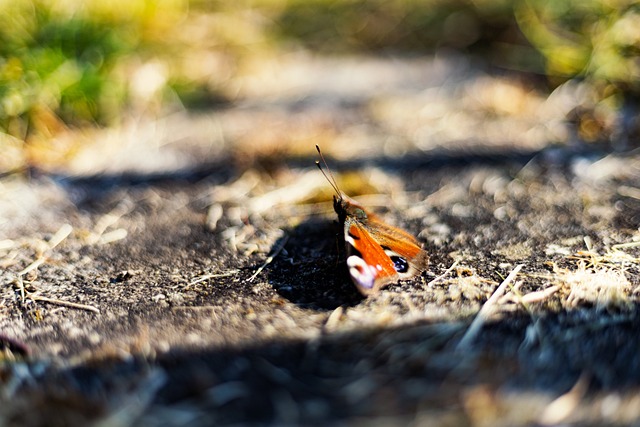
column 184, row 271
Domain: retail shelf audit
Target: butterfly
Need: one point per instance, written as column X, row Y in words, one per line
column 378, row 254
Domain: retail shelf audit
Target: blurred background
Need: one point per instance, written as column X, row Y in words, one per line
column 427, row 74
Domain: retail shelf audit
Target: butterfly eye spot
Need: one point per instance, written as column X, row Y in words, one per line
column 400, row 264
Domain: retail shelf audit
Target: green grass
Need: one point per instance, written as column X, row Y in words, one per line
column 72, row 64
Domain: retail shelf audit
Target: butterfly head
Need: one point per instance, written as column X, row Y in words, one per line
column 347, row 207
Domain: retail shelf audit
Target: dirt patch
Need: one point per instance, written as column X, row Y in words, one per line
column 217, row 293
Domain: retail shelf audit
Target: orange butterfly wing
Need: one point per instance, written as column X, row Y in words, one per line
column 384, row 254
column 367, row 261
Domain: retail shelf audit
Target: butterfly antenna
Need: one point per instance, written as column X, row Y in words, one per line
column 329, row 177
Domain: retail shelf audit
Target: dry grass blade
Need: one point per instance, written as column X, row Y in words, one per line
column 605, row 287
column 113, row 236
column 627, row 191
column 34, row 265
column 56, row 239
column 270, row 259
column 65, row 303
column 6, row 244
column 100, row 234
column 60, row 235
column 625, row 245
column 212, row 276
column 443, row 275
column 486, row 311
column 302, row 188
column 538, row 296
column 561, row 408
column 334, row 319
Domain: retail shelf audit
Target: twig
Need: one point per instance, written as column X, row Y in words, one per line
column 65, row 303
column 486, row 311
column 269, row 260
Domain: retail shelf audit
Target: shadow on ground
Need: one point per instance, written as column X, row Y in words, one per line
column 397, row 373
column 310, row 272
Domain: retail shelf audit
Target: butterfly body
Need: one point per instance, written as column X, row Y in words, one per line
column 378, row 254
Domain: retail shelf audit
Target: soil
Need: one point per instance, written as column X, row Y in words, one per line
column 196, row 277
